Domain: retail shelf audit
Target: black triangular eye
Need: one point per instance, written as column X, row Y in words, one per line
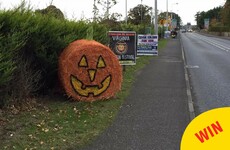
column 101, row 62
column 83, row 62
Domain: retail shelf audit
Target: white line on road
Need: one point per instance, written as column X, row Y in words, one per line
column 191, row 67
column 212, row 42
column 189, row 94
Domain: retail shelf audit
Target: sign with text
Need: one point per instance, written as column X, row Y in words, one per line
column 208, row 131
column 147, row 45
column 174, row 23
column 123, row 44
column 206, row 23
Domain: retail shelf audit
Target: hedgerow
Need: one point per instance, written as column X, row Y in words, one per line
column 30, row 46
column 29, row 49
column 219, row 29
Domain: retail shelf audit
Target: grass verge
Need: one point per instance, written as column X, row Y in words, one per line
column 57, row 123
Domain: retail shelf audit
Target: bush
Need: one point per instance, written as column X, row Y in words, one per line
column 30, row 47
column 139, row 29
column 9, row 45
column 219, row 29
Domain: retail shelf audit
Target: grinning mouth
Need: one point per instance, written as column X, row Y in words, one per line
column 87, row 90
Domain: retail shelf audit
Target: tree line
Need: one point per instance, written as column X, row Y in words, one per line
column 219, row 18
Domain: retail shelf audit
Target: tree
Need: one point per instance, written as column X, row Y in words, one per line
column 225, row 13
column 177, row 17
column 52, row 11
column 106, row 5
column 141, row 14
column 213, row 14
column 95, row 11
column 199, row 17
column 112, row 21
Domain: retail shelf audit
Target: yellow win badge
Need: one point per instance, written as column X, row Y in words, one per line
column 208, row 131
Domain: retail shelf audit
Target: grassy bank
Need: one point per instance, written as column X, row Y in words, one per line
column 58, row 123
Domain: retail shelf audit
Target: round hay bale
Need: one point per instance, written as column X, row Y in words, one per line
column 89, row 71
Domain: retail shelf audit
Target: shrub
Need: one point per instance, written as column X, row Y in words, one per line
column 139, row 29
column 219, row 29
column 9, row 45
column 30, row 47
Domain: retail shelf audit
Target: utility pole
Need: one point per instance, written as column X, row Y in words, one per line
column 94, row 11
column 167, row 15
column 126, row 16
column 156, row 18
column 141, row 12
column 107, row 9
column 172, row 12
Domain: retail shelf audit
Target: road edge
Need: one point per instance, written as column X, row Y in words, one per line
column 188, row 87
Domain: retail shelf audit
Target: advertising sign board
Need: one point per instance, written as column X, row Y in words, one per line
column 174, row 23
column 147, row 45
column 206, row 23
column 123, row 44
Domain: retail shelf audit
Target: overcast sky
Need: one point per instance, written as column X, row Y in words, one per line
column 76, row 9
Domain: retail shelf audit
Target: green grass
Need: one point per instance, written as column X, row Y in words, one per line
column 57, row 123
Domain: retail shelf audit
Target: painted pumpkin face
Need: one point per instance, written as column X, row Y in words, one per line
column 94, row 89
column 121, row 47
column 89, row 71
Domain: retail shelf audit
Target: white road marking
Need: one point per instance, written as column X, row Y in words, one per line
column 212, row 42
column 188, row 87
column 192, row 67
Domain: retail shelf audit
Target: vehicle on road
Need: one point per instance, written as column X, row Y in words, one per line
column 183, row 31
column 174, row 34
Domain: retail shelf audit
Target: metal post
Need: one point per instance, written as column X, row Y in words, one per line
column 141, row 12
column 172, row 12
column 107, row 10
column 94, row 11
column 167, row 15
column 126, row 16
column 156, row 18
column 124, row 68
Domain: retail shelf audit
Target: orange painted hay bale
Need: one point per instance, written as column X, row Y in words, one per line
column 89, row 71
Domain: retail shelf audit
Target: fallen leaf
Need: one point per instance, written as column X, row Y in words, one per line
column 45, row 129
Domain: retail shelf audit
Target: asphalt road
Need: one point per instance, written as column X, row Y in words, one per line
column 156, row 113
column 208, row 63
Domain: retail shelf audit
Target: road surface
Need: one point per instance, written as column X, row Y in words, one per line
column 208, row 63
